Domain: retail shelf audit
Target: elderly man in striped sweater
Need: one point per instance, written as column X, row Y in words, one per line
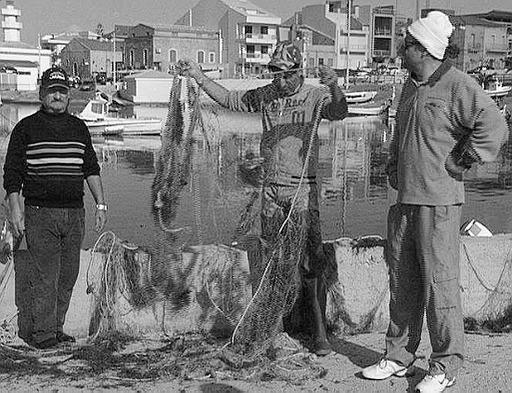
column 49, row 155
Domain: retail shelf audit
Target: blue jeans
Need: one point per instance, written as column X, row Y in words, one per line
column 54, row 237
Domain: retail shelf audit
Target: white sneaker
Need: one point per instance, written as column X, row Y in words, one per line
column 434, row 383
column 384, row 369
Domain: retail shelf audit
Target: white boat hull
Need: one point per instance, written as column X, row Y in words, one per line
column 359, row 97
column 124, row 127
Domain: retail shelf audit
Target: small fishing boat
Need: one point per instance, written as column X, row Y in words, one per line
column 368, row 110
column 359, row 97
column 100, row 122
column 495, row 89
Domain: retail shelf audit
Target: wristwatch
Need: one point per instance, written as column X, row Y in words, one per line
column 101, row 206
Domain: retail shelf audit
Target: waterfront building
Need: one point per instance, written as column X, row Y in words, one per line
column 247, row 33
column 484, row 40
column 329, row 38
column 87, row 58
column 159, row 47
column 55, row 42
column 497, row 45
column 20, row 63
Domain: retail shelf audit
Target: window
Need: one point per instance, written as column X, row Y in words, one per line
column 320, row 61
column 264, row 49
column 200, row 57
column 173, row 56
column 212, row 57
column 158, row 51
column 330, row 62
column 493, row 39
column 311, row 62
column 264, row 30
column 250, row 48
column 472, row 41
column 248, row 29
column 132, row 58
column 145, row 57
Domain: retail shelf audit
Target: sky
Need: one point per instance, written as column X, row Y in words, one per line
column 56, row 16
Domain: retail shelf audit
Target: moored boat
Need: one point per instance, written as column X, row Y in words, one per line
column 368, row 110
column 359, row 97
column 97, row 118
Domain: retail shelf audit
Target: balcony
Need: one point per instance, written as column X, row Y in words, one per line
column 259, row 58
column 386, row 32
column 8, row 24
column 253, row 38
column 11, row 12
column 381, row 53
column 497, row 48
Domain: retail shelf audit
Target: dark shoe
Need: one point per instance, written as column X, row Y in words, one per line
column 322, row 348
column 65, row 338
column 48, row 343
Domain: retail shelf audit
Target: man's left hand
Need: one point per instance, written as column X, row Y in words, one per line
column 328, row 76
column 100, row 220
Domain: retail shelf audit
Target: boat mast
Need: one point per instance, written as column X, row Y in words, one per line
column 349, row 12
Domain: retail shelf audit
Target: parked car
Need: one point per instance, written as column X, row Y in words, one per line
column 75, row 81
column 88, row 85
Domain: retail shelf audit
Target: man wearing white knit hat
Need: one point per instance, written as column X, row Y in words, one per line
column 445, row 123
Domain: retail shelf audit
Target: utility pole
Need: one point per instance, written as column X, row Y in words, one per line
column 39, row 55
column 349, row 12
column 115, row 58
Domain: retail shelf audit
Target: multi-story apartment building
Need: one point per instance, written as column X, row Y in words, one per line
column 371, row 38
column 21, row 64
column 327, row 38
column 161, row 46
column 383, row 45
column 247, row 32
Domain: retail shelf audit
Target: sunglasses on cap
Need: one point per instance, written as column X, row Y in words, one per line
column 282, row 73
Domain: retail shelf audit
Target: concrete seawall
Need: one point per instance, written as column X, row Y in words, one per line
column 218, row 283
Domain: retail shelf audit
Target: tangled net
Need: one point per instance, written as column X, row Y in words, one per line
column 167, row 279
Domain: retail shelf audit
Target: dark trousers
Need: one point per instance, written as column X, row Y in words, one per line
column 47, row 272
column 423, row 256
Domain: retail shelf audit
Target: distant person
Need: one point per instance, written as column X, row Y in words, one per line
column 49, row 155
column 445, row 123
column 289, row 109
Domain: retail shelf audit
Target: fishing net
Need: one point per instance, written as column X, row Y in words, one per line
column 207, row 266
column 189, row 198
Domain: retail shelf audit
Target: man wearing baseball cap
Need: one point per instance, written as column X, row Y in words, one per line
column 291, row 113
column 445, row 124
column 49, row 156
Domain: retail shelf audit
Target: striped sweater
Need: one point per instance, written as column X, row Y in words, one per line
column 48, row 158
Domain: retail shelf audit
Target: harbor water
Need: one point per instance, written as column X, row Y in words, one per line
column 354, row 199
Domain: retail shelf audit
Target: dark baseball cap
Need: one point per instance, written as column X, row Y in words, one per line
column 55, row 76
column 286, row 57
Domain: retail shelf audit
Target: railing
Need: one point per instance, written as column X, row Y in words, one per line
column 382, row 32
column 497, row 48
column 269, row 37
column 381, row 53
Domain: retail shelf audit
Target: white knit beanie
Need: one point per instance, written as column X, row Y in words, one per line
column 433, row 32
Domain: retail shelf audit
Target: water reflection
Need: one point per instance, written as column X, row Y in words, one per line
column 354, row 192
